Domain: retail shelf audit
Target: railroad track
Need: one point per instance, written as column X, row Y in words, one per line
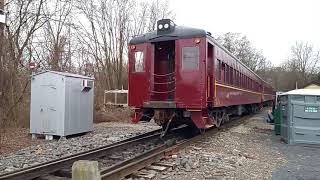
column 66, row 162
column 123, row 167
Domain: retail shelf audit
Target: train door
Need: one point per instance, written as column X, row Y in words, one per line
column 191, row 73
column 139, row 74
column 210, row 73
column 163, row 76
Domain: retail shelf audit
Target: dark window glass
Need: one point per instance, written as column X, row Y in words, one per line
column 227, row 74
column 238, row 79
column 218, row 70
column 231, row 75
column 223, row 72
column 190, row 58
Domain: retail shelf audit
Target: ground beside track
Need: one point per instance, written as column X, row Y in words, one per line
column 303, row 163
column 246, row 151
column 27, row 152
column 243, row 151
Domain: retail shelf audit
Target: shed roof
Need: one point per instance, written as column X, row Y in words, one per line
column 312, row 86
column 66, row 74
column 312, row 92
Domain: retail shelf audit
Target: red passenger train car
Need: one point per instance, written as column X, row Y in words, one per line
column 180, row 75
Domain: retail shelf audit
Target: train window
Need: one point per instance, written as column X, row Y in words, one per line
column 218, row 70
column 227, row 73
column 138, row 61
column 245, row 81
column 231, row 75
column 242, row 80
column 234, row 77
column 237, row 78
column 190, row 58
column 223, row 74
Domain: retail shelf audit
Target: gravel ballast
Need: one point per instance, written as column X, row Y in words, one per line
column 103, row 134
column 244, row 151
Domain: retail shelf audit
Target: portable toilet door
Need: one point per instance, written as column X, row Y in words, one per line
column 285, row 118
column 305, row 120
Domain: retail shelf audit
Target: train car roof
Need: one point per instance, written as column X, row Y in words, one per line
column 179, row 32
column 182, row 32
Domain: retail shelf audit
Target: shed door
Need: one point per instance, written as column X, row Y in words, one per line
column 48, row 110
column 306, row 123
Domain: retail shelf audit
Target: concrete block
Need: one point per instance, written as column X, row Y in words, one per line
column 49, row 137
column 85, row 170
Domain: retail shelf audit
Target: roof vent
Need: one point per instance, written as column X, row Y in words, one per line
column 87, row 85
column 165, row 26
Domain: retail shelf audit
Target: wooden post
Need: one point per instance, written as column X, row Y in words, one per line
column 85, row 170
column 2, row 25
column 2, row 41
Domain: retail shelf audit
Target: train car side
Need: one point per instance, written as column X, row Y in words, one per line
column 182, row 75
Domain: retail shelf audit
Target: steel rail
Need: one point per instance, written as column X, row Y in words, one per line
column 127, row 167
column 58, row 164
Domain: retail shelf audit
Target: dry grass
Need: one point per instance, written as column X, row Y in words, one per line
column 15, row 139
column 112, row 114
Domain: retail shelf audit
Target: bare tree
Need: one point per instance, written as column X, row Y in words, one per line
column 106, row 31
column 57, row 34
column 242, row 48
column 304, row 61
column 301, row 68
column 24, row 19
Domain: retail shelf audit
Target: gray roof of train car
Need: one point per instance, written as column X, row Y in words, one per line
column 179, row 32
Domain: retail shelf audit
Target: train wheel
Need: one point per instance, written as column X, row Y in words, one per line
column 219, row 119
column 225, row 118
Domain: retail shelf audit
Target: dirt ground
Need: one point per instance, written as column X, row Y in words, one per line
column 112, row 114
column 18, row 138
column 15, row 139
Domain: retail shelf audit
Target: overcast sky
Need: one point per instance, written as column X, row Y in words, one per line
column 271, row 25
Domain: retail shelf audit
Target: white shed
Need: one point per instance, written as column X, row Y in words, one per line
column 61, row 104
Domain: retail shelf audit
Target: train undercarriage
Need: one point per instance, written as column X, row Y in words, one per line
column 170, row 118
